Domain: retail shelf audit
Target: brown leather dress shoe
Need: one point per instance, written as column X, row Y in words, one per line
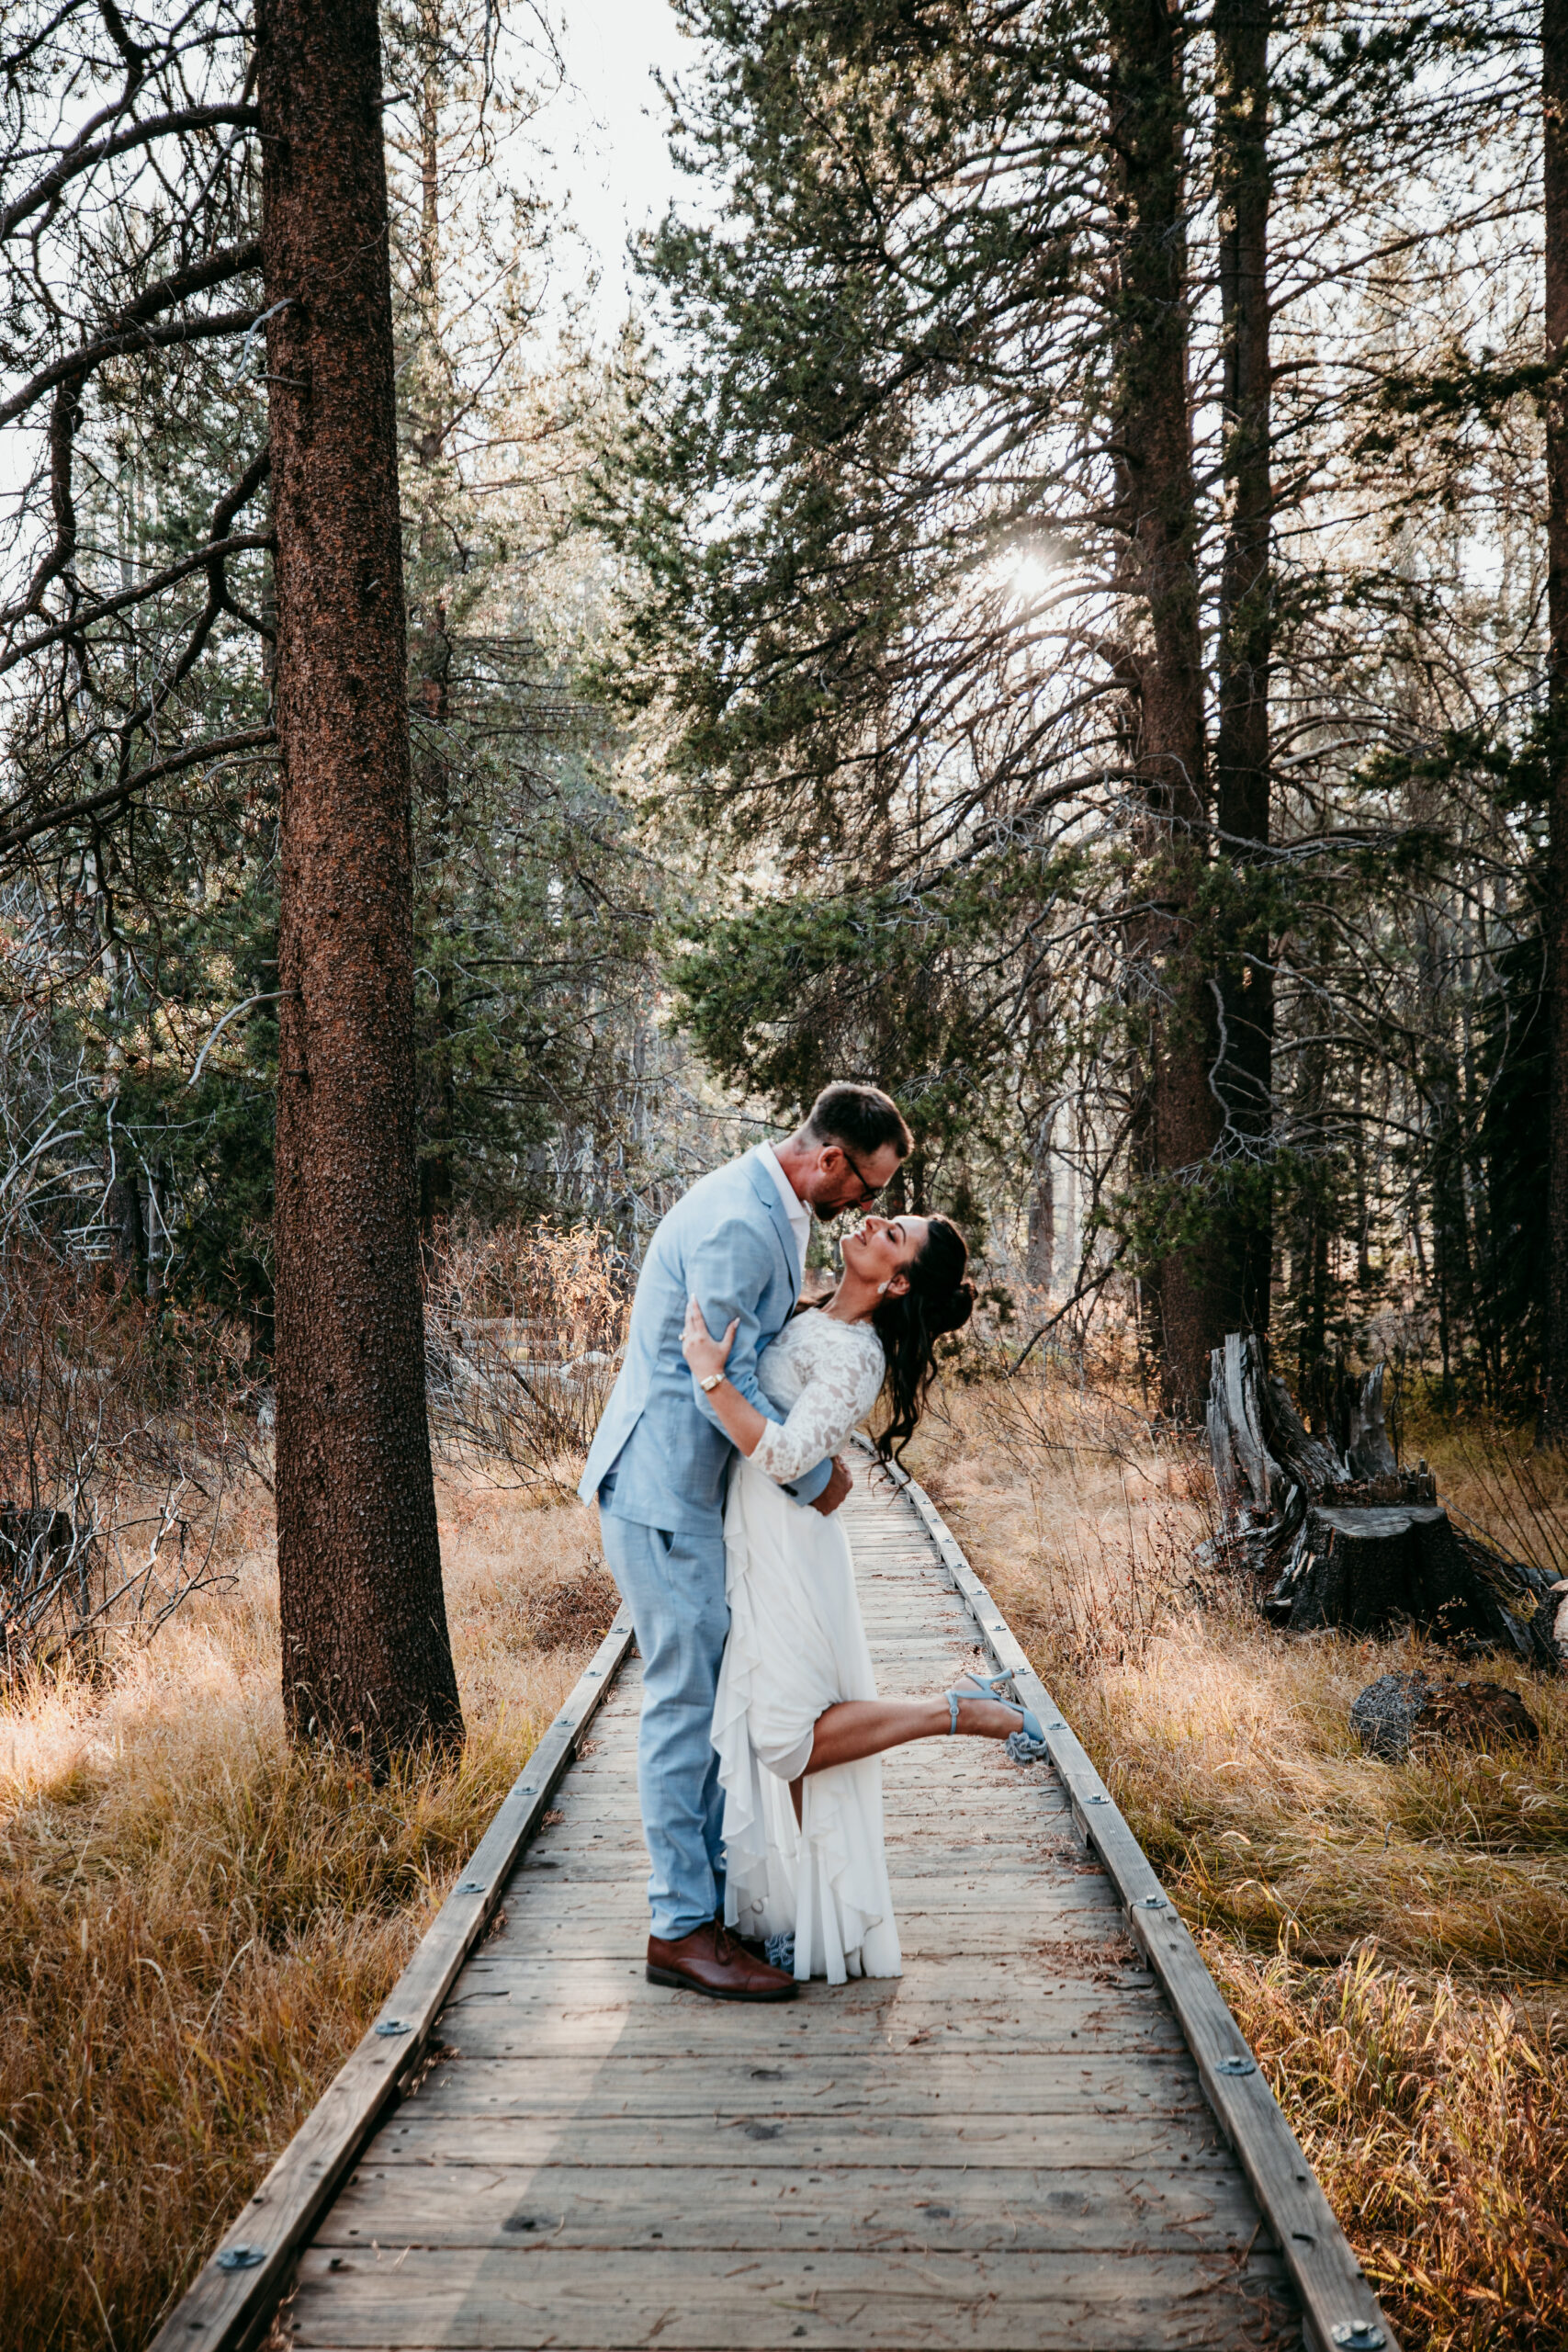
column 710, row 1960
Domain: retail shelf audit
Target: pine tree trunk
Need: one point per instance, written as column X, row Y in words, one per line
column 1552, row 1428
column 437, row 1092
column 365, row 1655
column 1241, row 779
column 122, row 1208
column 1158, row 528
column 1067, row 1228
column 1040, row 1256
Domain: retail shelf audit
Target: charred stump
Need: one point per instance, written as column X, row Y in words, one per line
column 1336, row 1534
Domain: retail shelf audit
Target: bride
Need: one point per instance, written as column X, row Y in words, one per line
column 797, row 1726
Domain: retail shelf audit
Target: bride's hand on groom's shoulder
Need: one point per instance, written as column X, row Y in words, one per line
column 705, row 1355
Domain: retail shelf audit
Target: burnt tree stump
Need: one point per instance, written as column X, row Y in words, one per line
column 1336, row 1533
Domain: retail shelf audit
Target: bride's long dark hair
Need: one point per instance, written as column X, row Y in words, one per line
column 939, row 1299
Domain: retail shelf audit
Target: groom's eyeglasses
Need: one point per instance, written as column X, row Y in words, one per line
column 868, row 1191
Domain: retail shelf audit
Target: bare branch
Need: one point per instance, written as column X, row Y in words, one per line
column 219, row 746
column 153, row 586
column 131, row 332
column 78, row 159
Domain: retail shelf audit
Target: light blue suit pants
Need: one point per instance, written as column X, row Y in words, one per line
column 674, row 1585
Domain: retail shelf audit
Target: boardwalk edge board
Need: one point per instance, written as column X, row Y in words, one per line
column 1338, row 2307
column 229, row 2305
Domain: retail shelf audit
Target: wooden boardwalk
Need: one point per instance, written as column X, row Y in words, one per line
column 1009, row 2146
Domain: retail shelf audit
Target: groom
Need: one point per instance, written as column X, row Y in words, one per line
column 658, row 1468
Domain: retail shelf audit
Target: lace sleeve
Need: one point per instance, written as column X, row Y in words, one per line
column 841, row 1387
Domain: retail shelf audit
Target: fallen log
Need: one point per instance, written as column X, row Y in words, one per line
column 1336, row 1533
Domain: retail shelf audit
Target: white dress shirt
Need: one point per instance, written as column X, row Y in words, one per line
column 796, row 1209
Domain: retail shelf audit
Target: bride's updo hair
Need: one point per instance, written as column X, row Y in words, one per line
column 940, row 1298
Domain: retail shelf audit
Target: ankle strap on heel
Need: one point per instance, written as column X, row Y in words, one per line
column 951, row 1698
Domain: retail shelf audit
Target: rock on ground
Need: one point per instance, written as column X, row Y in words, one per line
column 1398, row 1708
column 1386, row 1713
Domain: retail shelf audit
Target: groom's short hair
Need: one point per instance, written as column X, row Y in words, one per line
column 859, row 1119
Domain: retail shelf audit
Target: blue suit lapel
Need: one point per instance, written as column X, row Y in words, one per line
column 767, row 1192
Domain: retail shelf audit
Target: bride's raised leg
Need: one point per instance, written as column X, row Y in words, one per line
column 859, row 1727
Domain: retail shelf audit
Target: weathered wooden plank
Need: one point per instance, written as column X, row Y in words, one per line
column 919, row 1792
column 937, row 1838
column 1108, row 1960
column 921, row 1935
column 1000, row 1860
column 1012, row 1915
column 549, row 1899
column 226, row 2309
column 1002, row 1864
column 983, row 1997
column 983, row 1825
column 486, row 2076
column 503, row 2028
column 504, row 2001
column 887, row 2209
column 1124, row 2134
column 926, row 1647
column 1333, row 2290
column 981, row 1980
column 527, row 2297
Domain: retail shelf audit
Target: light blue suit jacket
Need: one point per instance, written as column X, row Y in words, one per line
column 727, row 1244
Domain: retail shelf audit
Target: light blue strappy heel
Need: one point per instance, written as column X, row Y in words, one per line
column 1025, row 1747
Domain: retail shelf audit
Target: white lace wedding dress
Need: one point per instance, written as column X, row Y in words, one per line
column 797, row 1644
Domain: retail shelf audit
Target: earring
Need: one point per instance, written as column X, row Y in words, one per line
column 882, row 1287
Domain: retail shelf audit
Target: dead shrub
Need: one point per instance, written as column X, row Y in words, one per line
column 1493, row 1480
column 579, row 1610
column 1114, row 1509
column 122, row 1429
column 524, row 1329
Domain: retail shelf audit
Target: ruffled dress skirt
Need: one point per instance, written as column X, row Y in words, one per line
column 797, row 1644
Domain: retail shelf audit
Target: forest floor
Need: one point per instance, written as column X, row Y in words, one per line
column 196, row 1925
column 1394, row 1939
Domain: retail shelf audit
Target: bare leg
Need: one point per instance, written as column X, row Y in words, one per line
column 857, row 1727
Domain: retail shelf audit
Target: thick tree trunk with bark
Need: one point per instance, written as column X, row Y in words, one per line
column 1552, row 1428
column 1244, row 1074
column 365, row 1655
column 1158, row 527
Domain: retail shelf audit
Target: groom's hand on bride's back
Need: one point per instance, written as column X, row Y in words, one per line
column 833, row 1493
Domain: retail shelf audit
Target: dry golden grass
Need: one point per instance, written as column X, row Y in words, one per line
column 1516, row 1497
column 1394, row 1939
column 196, row 1924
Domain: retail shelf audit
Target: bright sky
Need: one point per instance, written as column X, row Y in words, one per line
column 604, row 131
